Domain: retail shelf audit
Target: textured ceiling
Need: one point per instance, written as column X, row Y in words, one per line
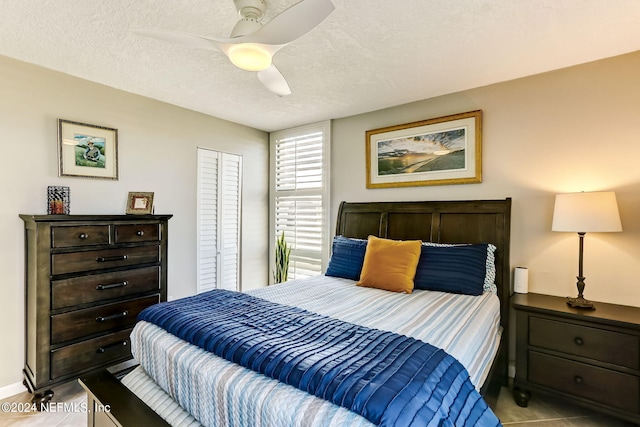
column 367, row 55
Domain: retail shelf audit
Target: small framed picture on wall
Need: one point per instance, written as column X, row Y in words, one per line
column 87, row 151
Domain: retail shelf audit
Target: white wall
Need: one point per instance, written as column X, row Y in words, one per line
column 576, row 129
column 157, row 152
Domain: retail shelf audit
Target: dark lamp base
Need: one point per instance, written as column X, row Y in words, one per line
column 580, row 302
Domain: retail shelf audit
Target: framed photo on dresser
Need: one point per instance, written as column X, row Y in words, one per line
column 140, row 203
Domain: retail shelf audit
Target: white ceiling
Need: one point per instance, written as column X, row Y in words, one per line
column 367, row 55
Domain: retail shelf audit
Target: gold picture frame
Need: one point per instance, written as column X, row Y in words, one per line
column 140, row 203
column 87, row 151
column 440, row 151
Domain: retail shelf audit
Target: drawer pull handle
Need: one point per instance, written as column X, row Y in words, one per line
column 111, row 258
column 140, row 233
column 578, row 379
column 114, row 285
column 114, row 345
column 578, row 341
column 112, row 317
column 83, row 236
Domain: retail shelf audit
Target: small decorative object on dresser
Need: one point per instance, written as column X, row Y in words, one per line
column 140, row 203
column 87, row 277
column 58, row 200
column 591, row 358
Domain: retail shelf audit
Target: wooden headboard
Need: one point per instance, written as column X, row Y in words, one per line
column 473, row 221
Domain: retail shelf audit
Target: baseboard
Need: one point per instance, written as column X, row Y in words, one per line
column 12, row 390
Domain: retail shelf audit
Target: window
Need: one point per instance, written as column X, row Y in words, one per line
column 219, row 196
column 300, row 196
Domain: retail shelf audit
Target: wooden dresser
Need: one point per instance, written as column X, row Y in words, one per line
column 589, row 357
column 87, row 277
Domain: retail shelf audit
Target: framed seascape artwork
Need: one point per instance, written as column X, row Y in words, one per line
column 444, row 150
column 87, row 151
column 140, row 203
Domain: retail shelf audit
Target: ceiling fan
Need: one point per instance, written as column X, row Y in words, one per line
column 251, row 45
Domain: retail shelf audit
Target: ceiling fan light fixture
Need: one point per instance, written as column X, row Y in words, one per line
column 250, row 57
column 252, row 45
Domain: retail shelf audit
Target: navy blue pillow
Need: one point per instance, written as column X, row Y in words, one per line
column 347, row 257
column 454, row 269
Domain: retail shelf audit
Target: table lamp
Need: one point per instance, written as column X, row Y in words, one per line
column 582, row 213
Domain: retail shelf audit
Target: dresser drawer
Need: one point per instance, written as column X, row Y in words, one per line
column 91, row 353
column 79, row 235
column 132, row 233
column 95, row 260
column 598, row 344
column 580, row 379
column 89, row 321
column 98, row 287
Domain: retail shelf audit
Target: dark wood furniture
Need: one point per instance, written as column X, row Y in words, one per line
column 87, row 278
column 477, row 221
column 589, row 357
column 122, row 410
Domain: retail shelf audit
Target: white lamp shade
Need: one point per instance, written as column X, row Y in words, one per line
column 250, row 56
column 586, row 212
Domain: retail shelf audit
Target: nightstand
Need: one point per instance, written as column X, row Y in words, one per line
column 591, row 358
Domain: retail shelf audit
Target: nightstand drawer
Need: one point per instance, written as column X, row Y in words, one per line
column 600, row 385
column 137, row 233
column 80, row 323
column 95, row 260
column 80, row 235
column 98, row 287
column 598, row 344
column 90, row 353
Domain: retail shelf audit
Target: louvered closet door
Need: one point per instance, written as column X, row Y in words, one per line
column 219, row 196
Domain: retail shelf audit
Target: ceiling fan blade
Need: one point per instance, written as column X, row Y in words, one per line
column 188, row 39
column 291, row 24
column 274, row 81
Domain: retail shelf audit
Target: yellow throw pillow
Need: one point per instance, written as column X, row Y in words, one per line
column 390, row 264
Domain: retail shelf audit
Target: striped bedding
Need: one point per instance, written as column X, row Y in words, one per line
column 149, row 392
column 467, row 327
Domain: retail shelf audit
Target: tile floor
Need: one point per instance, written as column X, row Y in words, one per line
column 541, row 412
column 70, row 398
column 544, row 411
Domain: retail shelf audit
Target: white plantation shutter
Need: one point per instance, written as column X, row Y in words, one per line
column 218, row 222
column 300, row 181
column 230, row 221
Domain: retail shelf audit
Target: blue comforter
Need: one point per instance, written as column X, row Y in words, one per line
column 390, row 379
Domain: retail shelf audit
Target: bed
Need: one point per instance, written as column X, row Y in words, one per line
column 442, row 223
